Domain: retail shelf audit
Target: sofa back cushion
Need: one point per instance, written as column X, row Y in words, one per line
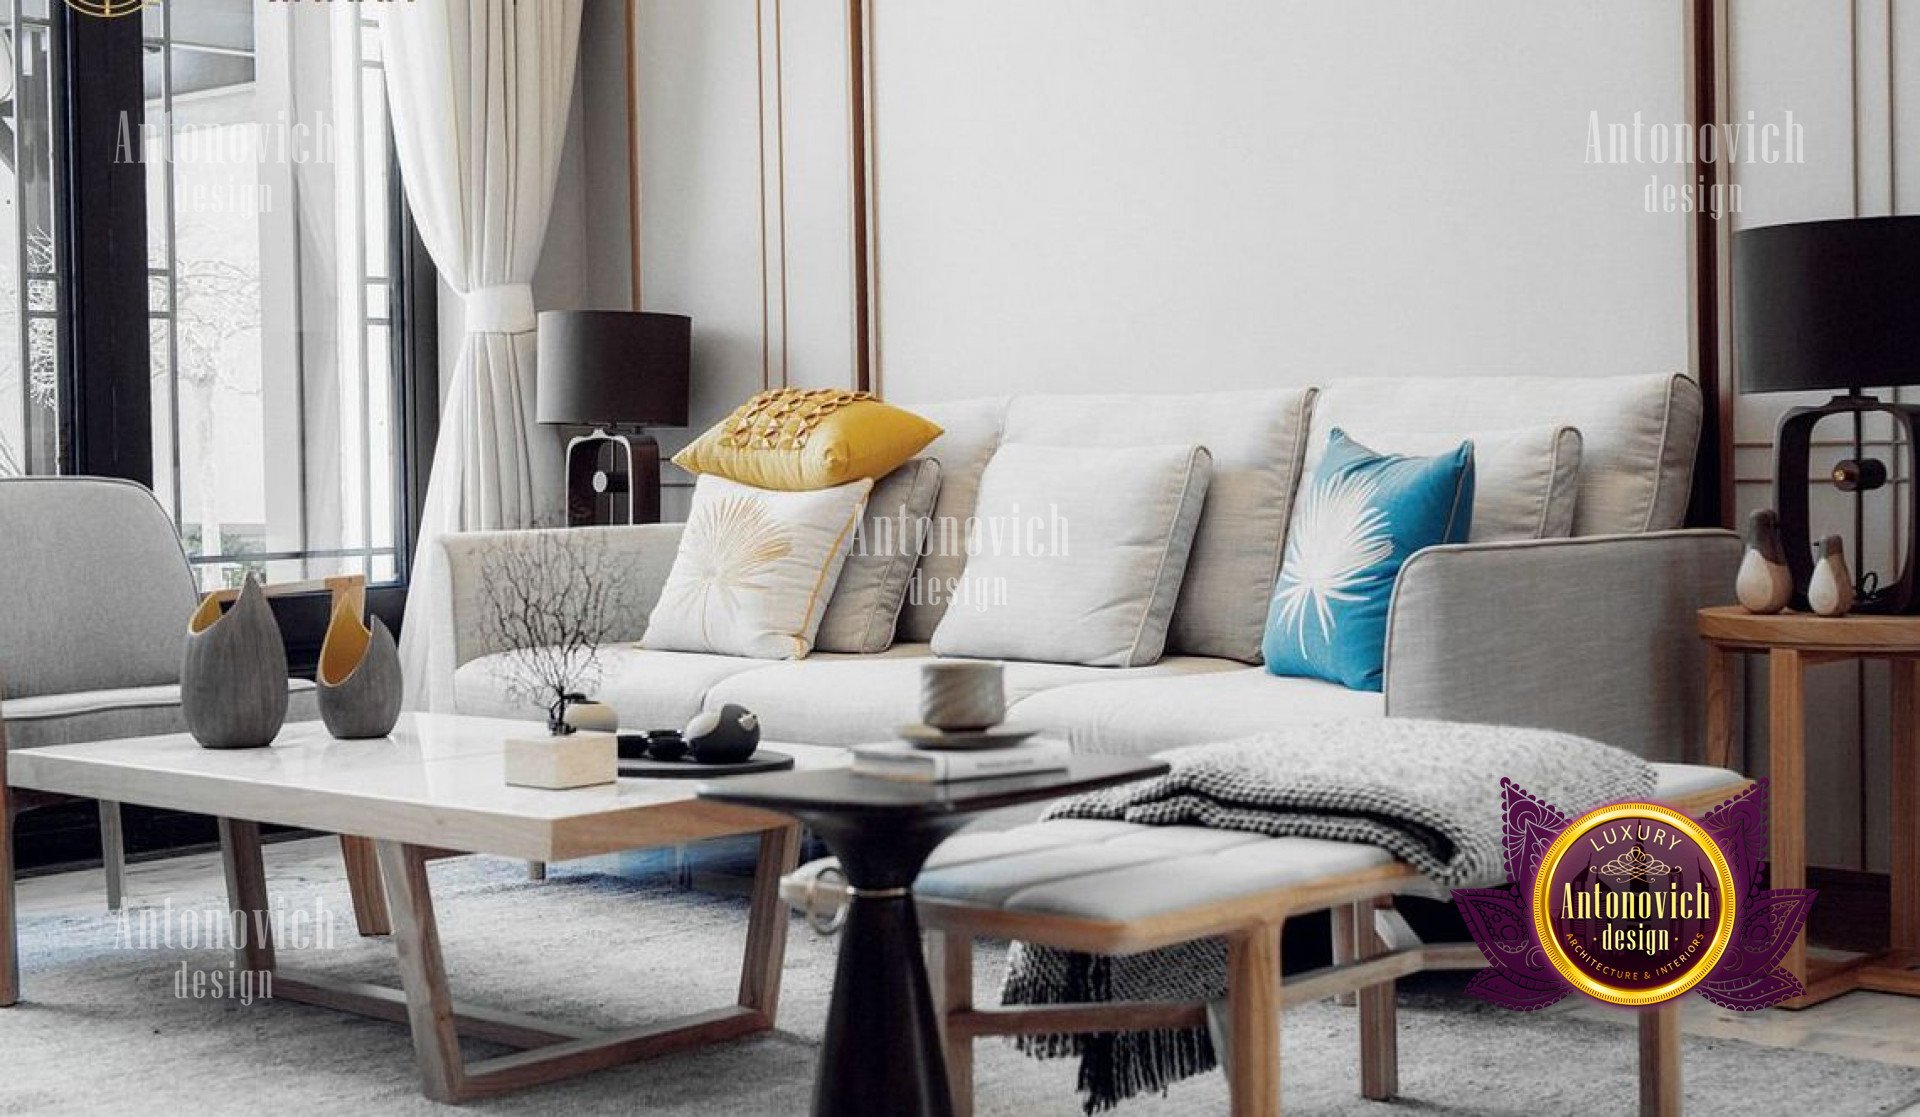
column 1256, row 439
column 1526, row 480
column 972, row 430
column 1637, row 433
column 97, row 592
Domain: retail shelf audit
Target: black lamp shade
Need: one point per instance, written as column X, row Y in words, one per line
column 1827, row 305
column 613, row 368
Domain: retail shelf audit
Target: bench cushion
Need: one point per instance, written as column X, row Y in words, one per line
column 1119, row 871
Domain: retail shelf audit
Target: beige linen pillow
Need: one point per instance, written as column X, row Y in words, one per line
column 1076, row 554
column 873, row 583
column 755, row 569
column 1526, row 480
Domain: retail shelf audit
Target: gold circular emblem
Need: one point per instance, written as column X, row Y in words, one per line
column 1634, row 904
column 107, row 9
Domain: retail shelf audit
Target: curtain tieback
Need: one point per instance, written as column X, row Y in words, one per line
column 503, row 309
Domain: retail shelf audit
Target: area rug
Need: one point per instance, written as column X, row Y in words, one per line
column 105, row 1026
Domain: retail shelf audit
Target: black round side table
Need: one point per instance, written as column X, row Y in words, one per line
column 881, row 1053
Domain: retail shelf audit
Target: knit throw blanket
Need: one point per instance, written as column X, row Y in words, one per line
column 1426, row 792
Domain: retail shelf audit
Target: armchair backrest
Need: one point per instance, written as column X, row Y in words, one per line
column 95, row 591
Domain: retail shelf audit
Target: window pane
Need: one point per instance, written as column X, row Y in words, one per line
column 373, row 169
column 226, row 24
column 223, row 404
column 29, row 292
column 264, row 238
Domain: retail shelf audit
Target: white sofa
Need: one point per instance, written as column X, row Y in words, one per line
column 1591, row 634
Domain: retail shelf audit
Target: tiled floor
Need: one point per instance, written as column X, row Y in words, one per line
column 1872, row 1026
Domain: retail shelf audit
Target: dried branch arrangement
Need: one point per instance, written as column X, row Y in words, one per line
column 551, row 600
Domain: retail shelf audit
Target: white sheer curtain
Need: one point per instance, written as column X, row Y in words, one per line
column 479, row 91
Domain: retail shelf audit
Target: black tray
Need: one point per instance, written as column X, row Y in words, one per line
column 765, row 760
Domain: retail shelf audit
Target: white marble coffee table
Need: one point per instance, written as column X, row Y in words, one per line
column 433, row 788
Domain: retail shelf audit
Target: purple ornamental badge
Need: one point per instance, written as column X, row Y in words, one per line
column 1634, row 904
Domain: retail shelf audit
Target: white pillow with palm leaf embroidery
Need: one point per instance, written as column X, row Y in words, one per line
column 755, row 569
column 1357, row 521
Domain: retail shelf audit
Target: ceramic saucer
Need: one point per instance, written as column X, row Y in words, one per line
column 997, row 737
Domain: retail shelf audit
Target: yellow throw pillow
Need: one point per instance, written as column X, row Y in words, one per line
column 797, row 440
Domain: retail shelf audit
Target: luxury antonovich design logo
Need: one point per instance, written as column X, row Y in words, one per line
column 1634, row 904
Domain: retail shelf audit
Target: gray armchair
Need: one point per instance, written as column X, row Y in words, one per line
column 95, row 593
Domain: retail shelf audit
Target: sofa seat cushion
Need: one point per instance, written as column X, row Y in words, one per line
column 108, row 715
column 837, row 700
column 1137, row 717
column 648, row 689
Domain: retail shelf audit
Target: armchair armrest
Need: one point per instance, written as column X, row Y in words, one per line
column 642, row 554
column 1593, row 635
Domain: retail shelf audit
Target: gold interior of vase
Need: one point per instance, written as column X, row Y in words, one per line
column 205, row 615
column 345, row 645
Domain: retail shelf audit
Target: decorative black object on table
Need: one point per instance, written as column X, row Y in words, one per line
column 882, row 1048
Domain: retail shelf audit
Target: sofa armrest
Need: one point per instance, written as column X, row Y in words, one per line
column 642, row 554
column 1593, row 635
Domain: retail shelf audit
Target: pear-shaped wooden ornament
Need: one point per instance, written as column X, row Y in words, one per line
column 359, row 675
column 1764, row 584
column 1830, row 591
column 233, row 677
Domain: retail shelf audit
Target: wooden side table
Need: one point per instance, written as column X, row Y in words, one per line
column 1792, row 642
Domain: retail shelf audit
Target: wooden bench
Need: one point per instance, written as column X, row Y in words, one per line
column 1117, row 888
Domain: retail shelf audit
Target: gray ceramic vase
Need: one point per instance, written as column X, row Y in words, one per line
column 233, row 678
column 359, row 676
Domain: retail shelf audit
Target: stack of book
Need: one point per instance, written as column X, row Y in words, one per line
column 900, row 760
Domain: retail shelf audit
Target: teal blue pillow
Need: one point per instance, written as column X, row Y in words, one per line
column 1358, row 520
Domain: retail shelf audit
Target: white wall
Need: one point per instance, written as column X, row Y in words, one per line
column 1087, row 194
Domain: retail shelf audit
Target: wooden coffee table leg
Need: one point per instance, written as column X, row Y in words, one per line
column 767, row 922
column 416, row 939
column 247, row 892
column 363, row 885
